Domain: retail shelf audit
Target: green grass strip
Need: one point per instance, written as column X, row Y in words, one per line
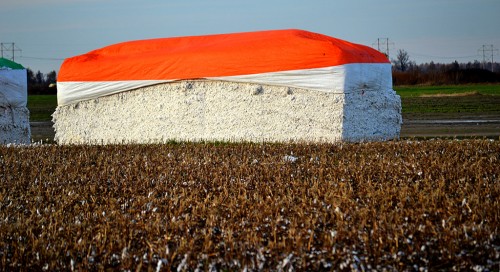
column 415, row 91
column 41, row 107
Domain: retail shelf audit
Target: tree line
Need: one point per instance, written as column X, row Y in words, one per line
column 407, row 72
column 40, row 83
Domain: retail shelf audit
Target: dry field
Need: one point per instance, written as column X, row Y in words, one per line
column 402, row 205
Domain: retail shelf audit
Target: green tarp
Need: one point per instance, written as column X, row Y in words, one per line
column 5, row 63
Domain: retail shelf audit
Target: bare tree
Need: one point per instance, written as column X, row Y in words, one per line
column 402, row 60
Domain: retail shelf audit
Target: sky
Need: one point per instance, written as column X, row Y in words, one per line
column 48, row 31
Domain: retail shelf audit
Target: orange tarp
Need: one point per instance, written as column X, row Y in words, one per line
column 215, row 56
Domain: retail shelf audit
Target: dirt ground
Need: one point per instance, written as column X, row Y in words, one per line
column 460, row 125
column 445, row 128
column 42, row 131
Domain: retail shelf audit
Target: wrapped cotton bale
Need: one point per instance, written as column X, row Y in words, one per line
column 14, row 115
column 257, row 86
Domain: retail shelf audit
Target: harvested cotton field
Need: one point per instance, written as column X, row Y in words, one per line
column 276, row 86
column 402, row 205
column 229, row 111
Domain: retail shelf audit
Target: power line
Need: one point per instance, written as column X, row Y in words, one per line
column 441, row 57
column 8, row 51
column 39, row 58
column 9, row 48
column 491, row 50
column 381, row 43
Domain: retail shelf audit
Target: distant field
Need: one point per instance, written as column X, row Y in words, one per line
column 415, row 91
column 450, row 102
column 452, row 105
column 41, row 107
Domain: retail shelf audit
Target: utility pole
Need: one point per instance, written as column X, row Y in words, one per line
column 490, row 50
column 381, row 43
column 9, row 48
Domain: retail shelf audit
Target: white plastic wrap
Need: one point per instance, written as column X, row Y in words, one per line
column 13, row 88
column 335, row 79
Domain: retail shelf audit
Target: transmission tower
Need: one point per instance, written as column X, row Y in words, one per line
column 383, row 45
column 491, row 50
column 8, row 50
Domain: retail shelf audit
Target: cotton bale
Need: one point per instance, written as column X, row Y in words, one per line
column 14, row 115
column 279, row 85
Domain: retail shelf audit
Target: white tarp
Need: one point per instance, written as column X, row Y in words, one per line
column 335, row 79
column 13, row 88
